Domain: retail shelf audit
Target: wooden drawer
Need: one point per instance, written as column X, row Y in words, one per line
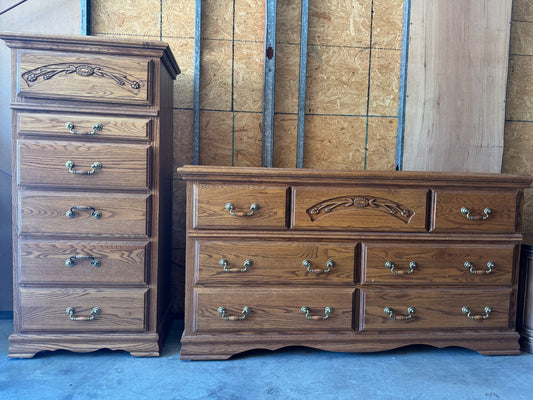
column 83, row 262
column 280, row 262
column 359, row 208
column 83, row 126
column 124, row 215
column 455, row 210
column 273, row 309
column 43, row 163
column 121, row 310
column 435, row 309
column 83, row 77
column 212, row 206
column 437, row 263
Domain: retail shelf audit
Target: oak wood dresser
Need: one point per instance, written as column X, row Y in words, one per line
column 92, row 167
column 347, row 261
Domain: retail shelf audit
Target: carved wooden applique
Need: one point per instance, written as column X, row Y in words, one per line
column 386, row 206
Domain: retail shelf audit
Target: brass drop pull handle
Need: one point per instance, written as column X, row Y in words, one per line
column 222, row 312
column 466, row 212
column 69, row 262
column 390, row 265
column 466, row 310
column 70, row 165
column 96, row 128
column 70, row 312
column 329, row 264
column 469, row 266
column 71, row 214
column 327, row 312
column 224, row 264
column 390, row 312
column 253, row 208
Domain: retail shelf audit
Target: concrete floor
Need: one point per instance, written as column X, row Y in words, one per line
column 415, row 372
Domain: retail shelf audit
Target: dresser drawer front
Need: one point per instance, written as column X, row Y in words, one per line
column 392, row 263
column 75, row 126
column 273, row 309
column 43, row 163
column 95, row 78
column 359, row 208
column 215, row 205
column 119, row 214
column 240, row 261
column 83, row 262
column 474, row 211
column 435, row 309
column 121, row 310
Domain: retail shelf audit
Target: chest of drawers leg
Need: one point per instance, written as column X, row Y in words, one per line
column 92, row 159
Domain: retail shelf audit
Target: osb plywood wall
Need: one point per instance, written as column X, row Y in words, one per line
column 353, row 78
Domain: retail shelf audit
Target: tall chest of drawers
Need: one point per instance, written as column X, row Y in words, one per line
column 347, row 261
column 92, row 168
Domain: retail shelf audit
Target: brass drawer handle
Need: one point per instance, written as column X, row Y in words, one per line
column 69, row 262
column 96, row 127
column 329, row 264
column 71, row 214
column 253, row 208
column 466, row 212
column 222, row 312
column 224, row 264
column 327, row 312
column 70, row 311
column 390, row 265
column 466, row 310
column 70, row 165
column 390, row 312
column 469, row 266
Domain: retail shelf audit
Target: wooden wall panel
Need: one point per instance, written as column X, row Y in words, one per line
column 456, row 85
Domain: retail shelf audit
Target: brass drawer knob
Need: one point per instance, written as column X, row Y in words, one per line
column 466, row 310
column 390, row 265
column 95, row 166
column 466, row 212
column 469, row 266
column 96, row 128
column 327, row 312
column 390, row 312
column 224, row 264
column 329, row 265
column 230, row 207
column 70, row 312
column 69, row 262
column 222, row 312
column 71, row 214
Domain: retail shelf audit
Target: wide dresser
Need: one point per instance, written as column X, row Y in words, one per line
column 350, row 261
column 92, row 189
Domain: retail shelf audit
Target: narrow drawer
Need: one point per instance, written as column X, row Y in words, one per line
column 44, row 163
column 437, row 263
column 119, row 310
column 435, row 309
column 239, row 261
column 273, row 309
column 76, row 126
column 239, row 206
column 94, row 214
column 359, row 208
column 67, row 76
column 83, row 262
column 474, row 211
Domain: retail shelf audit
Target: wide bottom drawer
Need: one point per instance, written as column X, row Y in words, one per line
column 273, row 309
column 83, row 310
column 434, row 309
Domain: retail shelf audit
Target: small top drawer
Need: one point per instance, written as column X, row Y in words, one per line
column 474, row 211
column 75, row 126
column 239, row 206
column 85, row 78
column 359, row 208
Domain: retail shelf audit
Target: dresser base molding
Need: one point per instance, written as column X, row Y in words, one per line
column 221, row 347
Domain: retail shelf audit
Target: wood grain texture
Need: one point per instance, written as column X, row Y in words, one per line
column 456, row 85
